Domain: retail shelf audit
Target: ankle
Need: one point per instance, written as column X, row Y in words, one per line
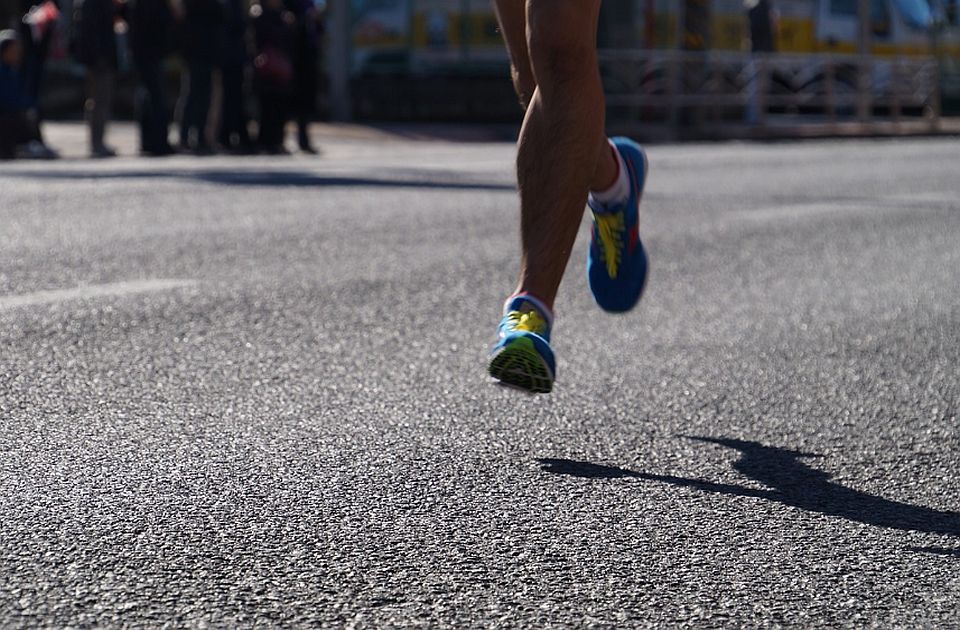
column 531, row 302
column 610, row 156
column 618, row 190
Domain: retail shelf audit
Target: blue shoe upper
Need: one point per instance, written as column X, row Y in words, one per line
column 522, row 315
column 617, row 261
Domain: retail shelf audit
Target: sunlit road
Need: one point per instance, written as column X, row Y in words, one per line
column 245, row 391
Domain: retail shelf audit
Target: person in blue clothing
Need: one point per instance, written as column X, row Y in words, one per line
column 18, row 130
column 564, row 162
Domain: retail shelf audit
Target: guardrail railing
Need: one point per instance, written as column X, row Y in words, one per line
column 711, row 88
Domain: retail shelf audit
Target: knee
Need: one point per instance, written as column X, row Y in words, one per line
column 561, row 37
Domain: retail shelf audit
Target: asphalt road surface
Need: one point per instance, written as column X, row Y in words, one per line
column 241, row 391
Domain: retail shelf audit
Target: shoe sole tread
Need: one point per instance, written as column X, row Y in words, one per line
column 519, row 365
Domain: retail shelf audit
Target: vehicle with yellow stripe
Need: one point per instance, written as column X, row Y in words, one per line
column 424, row 34
column 897, row 27
column 805, row 26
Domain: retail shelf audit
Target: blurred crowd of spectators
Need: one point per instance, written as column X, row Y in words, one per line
column 266, row 54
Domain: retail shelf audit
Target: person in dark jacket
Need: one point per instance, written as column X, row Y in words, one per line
column 234, row 59
column 273, row 71
column 16, row 127
column 306, row 68
column 98, row 51
column 12, row 96
column 151, row 22
column 202, row 33
column 36, row 35
column 763, row 20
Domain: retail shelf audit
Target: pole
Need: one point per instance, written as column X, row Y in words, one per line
column 338, row 58
column 466, row 31
column 864, row 82
column 676, row 68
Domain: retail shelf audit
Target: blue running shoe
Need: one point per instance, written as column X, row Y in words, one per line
column 617, row 262
column 522, row 357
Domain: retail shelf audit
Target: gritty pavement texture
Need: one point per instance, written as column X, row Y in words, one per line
column 252, row 391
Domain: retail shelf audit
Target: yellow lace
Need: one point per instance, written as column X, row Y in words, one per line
column 610, row 229
column 529, row 321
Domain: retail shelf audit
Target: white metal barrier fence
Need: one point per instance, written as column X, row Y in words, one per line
column 698, row 90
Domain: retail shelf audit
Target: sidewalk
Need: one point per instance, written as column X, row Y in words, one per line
column 69, row 138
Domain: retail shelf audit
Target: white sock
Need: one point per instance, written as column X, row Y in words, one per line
column 616, row 193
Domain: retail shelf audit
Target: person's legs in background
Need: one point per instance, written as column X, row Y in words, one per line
column 185, row 107
column 196, row 107
column 8, row 135
column 99, row 107
column 154, row 122
column 273, row 120
column 233, row 133
column 303, row 134
column 201, row 87
column 266, row 125
column 16, row 129
column 304, row 99
column 34, row 66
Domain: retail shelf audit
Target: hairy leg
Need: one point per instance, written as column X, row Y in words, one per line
column 562, row 151
column 512, row 16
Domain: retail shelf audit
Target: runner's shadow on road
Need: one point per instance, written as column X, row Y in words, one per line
column 269, row 178
column 791, row 482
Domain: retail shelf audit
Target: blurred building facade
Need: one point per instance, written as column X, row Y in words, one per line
column 444, row 60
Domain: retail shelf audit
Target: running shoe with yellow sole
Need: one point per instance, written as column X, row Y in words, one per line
column 522, row 357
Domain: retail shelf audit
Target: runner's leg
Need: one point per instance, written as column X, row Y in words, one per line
column 512, row 15
column 562, row 151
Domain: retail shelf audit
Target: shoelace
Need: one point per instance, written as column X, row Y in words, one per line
column 529, row 321
column 609, row 229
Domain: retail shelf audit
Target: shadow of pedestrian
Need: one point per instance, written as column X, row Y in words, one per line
column 792, row 482
column 280, row 178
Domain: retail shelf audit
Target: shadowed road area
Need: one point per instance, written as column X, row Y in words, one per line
column 244, row 391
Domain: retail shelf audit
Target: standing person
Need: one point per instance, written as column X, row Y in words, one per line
column 564, row 162
column 234, row 58
column 17, row 128
column 306, row 68
column 763, row 25
column 202, row 30
column 99, row 53
column 36, row 35
column 150, row 24
column 273, row 71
